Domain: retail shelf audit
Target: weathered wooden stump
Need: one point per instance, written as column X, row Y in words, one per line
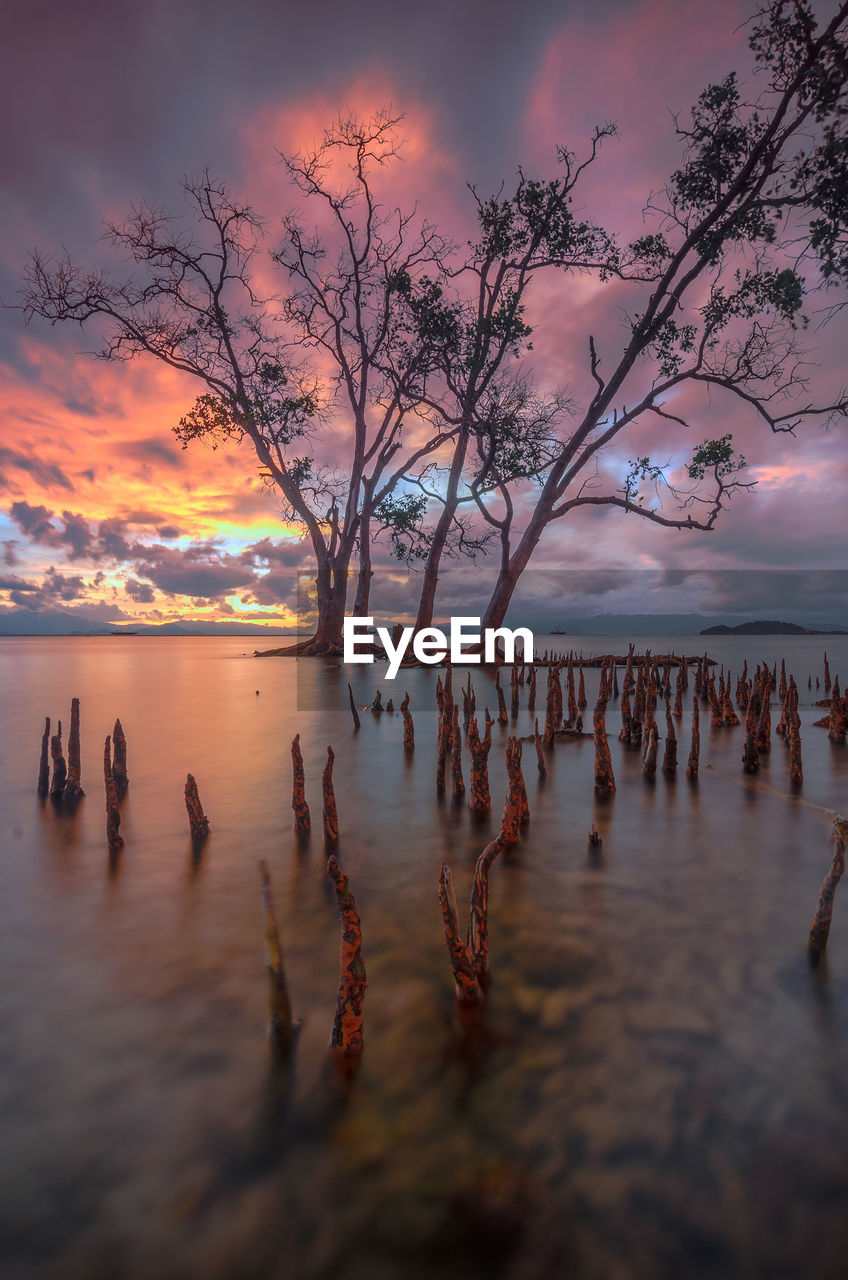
column 197, row 819
column 408, row 726
column 331, row 818
column 480, row 800
column 60, row 769
column 669, row 764
column 692, row 763
column 73, row 791
column 604, row 776
column 353, row 710
column 346, row 1038
column 540, row 753
column 302, row 820
column 113, row 814
column 649, row 759
column 503, row 718
column 469, row 960
column 516, row 808
column 457, row 782
column 820, row 929
column 44, row 762
column 119, row 759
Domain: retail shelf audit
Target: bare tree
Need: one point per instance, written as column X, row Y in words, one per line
column 346, row 301
column 475, row 316
column 192, row 301
column 752, row 222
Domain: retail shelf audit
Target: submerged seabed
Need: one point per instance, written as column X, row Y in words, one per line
column 659, row 1088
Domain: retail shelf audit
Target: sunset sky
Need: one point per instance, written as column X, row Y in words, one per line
column 104, row 517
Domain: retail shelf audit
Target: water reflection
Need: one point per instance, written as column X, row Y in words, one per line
column 655, row 1087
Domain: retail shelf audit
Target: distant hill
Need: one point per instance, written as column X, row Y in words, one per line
column 30, row 622
column 760, row 628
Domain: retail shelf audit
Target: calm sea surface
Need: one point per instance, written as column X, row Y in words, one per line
column 659, row 1088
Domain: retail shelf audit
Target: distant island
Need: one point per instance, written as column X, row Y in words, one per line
column 762, row 628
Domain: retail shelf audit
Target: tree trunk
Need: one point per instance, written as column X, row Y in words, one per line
column 366, row 573
column 426, row 603
column 501, row 596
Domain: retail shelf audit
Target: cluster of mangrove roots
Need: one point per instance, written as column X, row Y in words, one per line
column 469, row 959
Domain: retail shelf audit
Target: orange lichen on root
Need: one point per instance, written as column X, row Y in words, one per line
column 516, row 808
column 469, row 960
column 119, row 758
column 480, row 798
column 346, row 1037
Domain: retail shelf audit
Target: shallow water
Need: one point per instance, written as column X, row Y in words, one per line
column 657, row 1089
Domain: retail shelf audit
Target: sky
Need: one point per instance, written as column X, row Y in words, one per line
column 105, row 518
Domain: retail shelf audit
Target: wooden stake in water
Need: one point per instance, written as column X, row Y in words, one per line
column 44, row 763
column 604, row 776
column 197, row 819
column 695, row 748
column 331, row 817
column 516, row 808
column 469, row 960
column 457, row 782
column 408, row 726
column 346, row 1036
column 281, row 1028
column 60, row 769
column 113, row 814
column 669, row 764
column 302, row 821
column 820, row 929
column 353, row 710
column 480, row 799
column 119, row 759
column 73, row 790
